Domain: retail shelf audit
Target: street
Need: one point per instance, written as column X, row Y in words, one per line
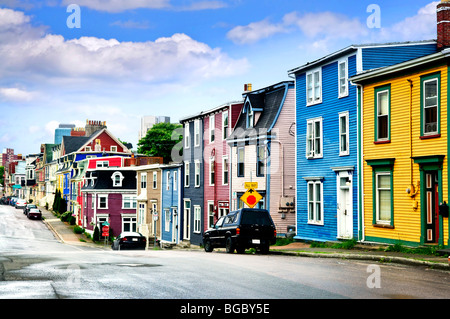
column 34, row 264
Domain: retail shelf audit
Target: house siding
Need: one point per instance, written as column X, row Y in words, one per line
column 407, row 221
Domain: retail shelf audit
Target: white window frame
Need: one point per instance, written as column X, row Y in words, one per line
column 113, row 148
column 225, row 124
column 346, row 134
column 101, row 164
column 143, row 180
column 168, row 180
column 131, row 200
column 186, row 135
column 129, row 220
column 166, row 219
column 425, row 107
column 197, row 177
column 239, row 149
column 175, row 180
column 115, row 182
column 197, row 218
column 345, row 93
column 141, row 212
column 155, row 180
column 313, row 215
column 377, row 197
column 99, row 202
column 212, row 171
column 311, row 75
column 212, row 127
column 186, row 174
column 210, row 214
column 225, row 169
column 311, row 140
column 197, row 133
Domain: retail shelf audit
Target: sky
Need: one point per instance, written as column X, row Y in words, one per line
column 68, row 61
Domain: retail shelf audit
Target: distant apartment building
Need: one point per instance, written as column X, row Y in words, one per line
column 63, row 130
column 147, row 123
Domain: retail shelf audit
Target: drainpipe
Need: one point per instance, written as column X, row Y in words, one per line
column 412, row 191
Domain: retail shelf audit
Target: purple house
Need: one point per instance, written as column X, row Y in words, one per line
column 109, row 194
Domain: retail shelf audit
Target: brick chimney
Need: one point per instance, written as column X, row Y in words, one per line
column 443, row 24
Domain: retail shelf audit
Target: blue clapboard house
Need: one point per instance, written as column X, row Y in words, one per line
column 327, row 130
column 171, row 197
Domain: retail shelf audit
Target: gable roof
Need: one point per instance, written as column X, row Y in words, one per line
column 269, row 101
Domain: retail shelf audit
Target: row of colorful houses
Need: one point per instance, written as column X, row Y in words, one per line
column 354, row 146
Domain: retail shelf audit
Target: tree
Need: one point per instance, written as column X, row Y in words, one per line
column 158, row 141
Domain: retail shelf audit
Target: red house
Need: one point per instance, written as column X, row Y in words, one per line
column 218, row 124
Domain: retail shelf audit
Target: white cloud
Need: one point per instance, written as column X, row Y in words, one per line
column 421, row 26
column 16, row 95
column 317, row 26
column 49, row 56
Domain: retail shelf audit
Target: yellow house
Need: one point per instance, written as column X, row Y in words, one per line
column 403, row 148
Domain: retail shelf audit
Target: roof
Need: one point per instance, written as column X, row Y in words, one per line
column 269, row 101
column 203, row 113
column 351, row 48
column 103, row 179
column 372, row 74
column 74, row 143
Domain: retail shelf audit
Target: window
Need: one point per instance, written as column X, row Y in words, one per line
column 197, row 132
column 314, row 87
column 197, row 173
column 129, row 224
column 175, row 180
column 225, row 124
column 155, row 180
column 430, row 105
column 210, row 214
column 197, row 218
column 93, row 201
column 225, row 170
column 241, row 158
column 260, row 154
column 113, row 148
column 186, row 174
column 343, row 78
column 343, row 134
column 117, row 178
column 212, row 168
column 143, row 180
column 314, row 138
column 129, row 202
column 212, row 125
column 315, row 202
column 382, row 117
column 102, row 201
column 383, row 197
column 167, row 180
column 187, row 219
column 167, row 219
column 186, row 135
column 250, row 117
column 141, row 213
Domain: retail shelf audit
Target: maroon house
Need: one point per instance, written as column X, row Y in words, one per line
column 109, row 195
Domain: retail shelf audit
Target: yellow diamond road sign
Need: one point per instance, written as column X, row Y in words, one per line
column 251, row 197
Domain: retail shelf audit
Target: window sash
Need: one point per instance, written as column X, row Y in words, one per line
column 241, row 162
column 343, row 76
column 314, row 138
column 197, row 219
column 186, row 135
column 383, row 197
column 211, row 128
column 383, row 115
column 315, row 202
column 430, row 106
column 197, row 174
column 225, row 124
column 343, row 134
column 314, row 87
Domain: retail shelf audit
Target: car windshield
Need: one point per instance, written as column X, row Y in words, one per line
column 250, row 217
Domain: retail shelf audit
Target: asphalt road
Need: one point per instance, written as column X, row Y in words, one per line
column 33, row 264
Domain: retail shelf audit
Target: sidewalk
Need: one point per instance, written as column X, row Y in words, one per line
column 66, row 235
column 63, row 232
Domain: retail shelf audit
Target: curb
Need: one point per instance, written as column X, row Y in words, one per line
column 378, row 258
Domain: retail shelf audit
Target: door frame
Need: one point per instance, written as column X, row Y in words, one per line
column 344, row 172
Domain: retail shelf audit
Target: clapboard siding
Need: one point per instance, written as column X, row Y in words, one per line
column 329, row 111
column 372, row 58
column 407, row 221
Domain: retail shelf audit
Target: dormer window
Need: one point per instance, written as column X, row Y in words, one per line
column 117, row 178
column 250, row 117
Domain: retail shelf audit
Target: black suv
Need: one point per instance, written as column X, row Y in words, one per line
column 242, row 229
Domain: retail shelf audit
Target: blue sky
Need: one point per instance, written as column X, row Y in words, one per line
column 131, row 58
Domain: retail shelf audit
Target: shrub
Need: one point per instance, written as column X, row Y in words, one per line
column 78, row 230
column 96, row 236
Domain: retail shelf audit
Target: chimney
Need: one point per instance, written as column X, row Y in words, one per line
column 443, row 24
column 247, row 87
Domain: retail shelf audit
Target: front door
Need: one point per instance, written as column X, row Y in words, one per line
column 174, row 225
column 344, row 205
column 432, row 206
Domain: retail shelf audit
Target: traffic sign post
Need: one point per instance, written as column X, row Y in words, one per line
column 105, row 231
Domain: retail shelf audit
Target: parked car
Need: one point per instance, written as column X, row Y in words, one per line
column 27, row 208
column 34, row 213
column 129, row 240
column 13, row 200
column 20, row 203
column 242, row 229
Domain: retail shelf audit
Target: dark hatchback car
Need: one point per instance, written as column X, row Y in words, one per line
column 242, row 229
column 28, row 207
column 34, row 213
column 129, row 240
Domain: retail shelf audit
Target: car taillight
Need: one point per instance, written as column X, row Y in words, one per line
column 143, row 239
column 238, row 231
column 124, row 239
column 275, row 233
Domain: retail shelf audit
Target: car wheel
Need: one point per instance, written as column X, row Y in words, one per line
column 264, row 249
column 207, row 245
column 229, row 245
